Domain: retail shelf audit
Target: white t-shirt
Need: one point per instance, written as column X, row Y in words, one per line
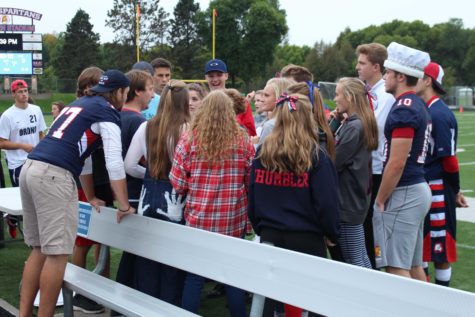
column 137, row 150
column 21, row 126
column 382, row 105
column 111, row 141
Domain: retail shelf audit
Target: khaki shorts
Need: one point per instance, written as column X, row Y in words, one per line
column 50, row 207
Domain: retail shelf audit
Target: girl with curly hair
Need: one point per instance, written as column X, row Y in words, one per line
column 211, row 166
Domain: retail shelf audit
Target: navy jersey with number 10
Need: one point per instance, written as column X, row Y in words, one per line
column 409, row 111
column 70, row 139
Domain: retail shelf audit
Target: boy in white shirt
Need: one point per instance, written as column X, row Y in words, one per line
column 21, row 128
column 370, row 69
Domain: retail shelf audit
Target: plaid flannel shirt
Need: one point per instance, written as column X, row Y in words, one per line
column 216, row 194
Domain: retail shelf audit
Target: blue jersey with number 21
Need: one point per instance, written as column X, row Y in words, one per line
column 70, row 139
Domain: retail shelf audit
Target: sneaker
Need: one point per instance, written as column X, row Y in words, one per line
column 86, row 305
column 12, row 224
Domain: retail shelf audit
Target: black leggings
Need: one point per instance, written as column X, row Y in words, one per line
column 304, row 242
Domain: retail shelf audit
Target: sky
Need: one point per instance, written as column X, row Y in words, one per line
column 309, row 21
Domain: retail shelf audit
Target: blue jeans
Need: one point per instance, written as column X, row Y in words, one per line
column 192, row 295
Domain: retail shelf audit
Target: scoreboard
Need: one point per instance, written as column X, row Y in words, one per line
column 20, row 54
column 11, row 42
column 16, row 63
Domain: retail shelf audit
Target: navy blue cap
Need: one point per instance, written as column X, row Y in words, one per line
column 111, row 80
column 216, row 65
column 145, row 66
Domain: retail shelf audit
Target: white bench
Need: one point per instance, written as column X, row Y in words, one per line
column 116, row 296
column 316, row 284
column 10, row 201
column 109, row 293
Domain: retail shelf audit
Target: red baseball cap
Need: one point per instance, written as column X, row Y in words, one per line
column 435, row 71
column 16, row 83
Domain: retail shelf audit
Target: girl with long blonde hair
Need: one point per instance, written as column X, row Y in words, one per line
column 155, row 140
column 293, row 186
column 355, row 139
column 211, row 166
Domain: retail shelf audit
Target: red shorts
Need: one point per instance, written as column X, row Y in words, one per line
column 80, row 241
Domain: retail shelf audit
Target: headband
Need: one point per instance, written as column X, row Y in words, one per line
column 311, row 87
column 291, row 100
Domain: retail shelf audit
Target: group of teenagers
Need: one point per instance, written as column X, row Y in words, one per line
column 374, row 182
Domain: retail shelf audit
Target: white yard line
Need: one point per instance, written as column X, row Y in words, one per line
column 467, row 163
column 464, row 246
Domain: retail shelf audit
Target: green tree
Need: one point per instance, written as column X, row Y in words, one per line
column 79, row 50
column 451, row 47
column 153, row 22
column 449, row 44
column 247, row 34
column 289, row 54
column 468, row 66
column 117, row 56
column 186, row 43
column 329, row 62
column 52, row 44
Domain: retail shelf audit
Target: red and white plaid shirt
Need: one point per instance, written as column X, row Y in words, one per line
column 216, row 194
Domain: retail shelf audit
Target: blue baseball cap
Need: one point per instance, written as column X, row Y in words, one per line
column 111, row 80
column 145, row 66
column 216, row 65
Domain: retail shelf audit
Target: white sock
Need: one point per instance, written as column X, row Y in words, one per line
column 443, row 275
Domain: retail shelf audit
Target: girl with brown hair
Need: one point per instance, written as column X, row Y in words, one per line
column 293, row 186
column 355, row 139
column 87, row 79
column 56, row 108
column 211, row 166
column 196, row 94
column 155, row 140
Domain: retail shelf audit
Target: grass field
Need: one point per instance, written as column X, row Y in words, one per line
column 14, row 254
column 44, row 102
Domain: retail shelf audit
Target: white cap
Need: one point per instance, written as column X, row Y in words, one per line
column 406, row 60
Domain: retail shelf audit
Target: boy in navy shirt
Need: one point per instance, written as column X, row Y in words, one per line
column 442, row 174
column 48, row 186
column 404, row 197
